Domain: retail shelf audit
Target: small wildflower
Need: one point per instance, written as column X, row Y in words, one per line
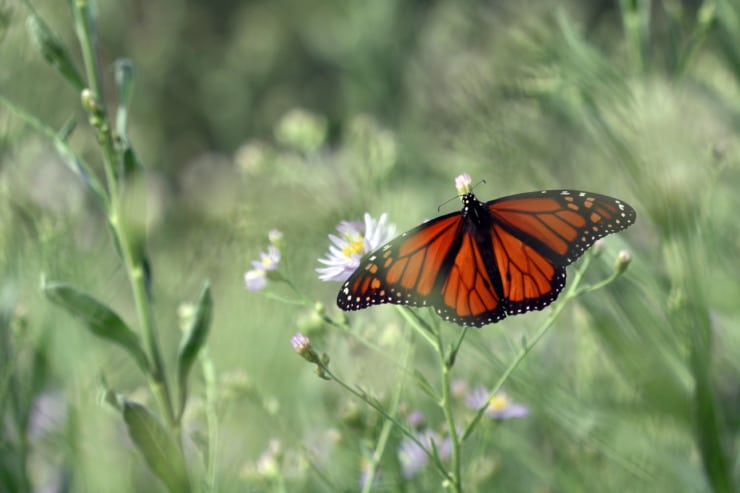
column 623, row 260
column 459, row 388
column 497, row 407
column 256, row 279
column 352, row 243
column 276, row 237
column 462, row 183
column 416, row 419
column 302, row 346
column 413, row 458
column 185, row 315
column 365, row 474
column 267, row 466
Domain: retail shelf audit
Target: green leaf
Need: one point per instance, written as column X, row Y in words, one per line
column 193, row 340
column 71, row 160
column 130, row 161
column 124, row 71
column 425, row 385
column 53, row 51
column 158, row 447
column 99, row 318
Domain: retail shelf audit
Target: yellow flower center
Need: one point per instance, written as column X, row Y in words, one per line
column 498, row 402
column 266, row 263
column 355, row 245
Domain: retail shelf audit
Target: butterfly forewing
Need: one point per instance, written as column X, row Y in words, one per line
column 561, row 224
column 405, row 270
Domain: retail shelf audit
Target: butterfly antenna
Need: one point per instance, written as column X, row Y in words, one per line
column 447, row 202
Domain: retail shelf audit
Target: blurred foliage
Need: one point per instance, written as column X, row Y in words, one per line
column 248, row 116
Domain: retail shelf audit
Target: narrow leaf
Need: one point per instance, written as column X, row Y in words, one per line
column 193, row 340
column 124, row 71
column 130, row 162
column 53, row 51
column 158, row 448
column 425, row 385
column 99, row 319
column 71, row 160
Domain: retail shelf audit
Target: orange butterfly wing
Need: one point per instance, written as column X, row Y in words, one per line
column 537, row 234
column 506, row 256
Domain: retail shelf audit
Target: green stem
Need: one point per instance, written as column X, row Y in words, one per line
column 418, row 325
column 100, row 120
column 209, row 377
column 363, row 397
column 385, row 433
column 132, row 262
column 446, row 405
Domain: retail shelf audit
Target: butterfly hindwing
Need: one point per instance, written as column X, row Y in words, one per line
column 469, row 294
column 529, row 280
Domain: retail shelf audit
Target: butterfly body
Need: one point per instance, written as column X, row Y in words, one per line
column 489, row 260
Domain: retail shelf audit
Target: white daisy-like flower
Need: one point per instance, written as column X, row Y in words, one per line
column 353, row 242
column 256, row 279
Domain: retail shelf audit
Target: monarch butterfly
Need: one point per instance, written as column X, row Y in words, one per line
column 492, row 259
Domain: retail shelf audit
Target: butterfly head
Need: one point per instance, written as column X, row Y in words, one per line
column 471, row 205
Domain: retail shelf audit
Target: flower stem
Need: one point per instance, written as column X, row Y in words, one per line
column 384, row 433
column 209, row 377
column 379, row 409
column 446, row 405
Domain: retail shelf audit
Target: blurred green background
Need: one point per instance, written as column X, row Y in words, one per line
column 295, row 114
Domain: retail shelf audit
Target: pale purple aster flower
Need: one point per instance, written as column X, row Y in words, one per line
column 459, row 388
column 413, row 458
column 48, row 414
column 444, row 448
column 497, row 407
column 462, row 183
column 365, row 474
column 353, row 242
column 256, row 279
column 416, row 419
column 300, row 343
